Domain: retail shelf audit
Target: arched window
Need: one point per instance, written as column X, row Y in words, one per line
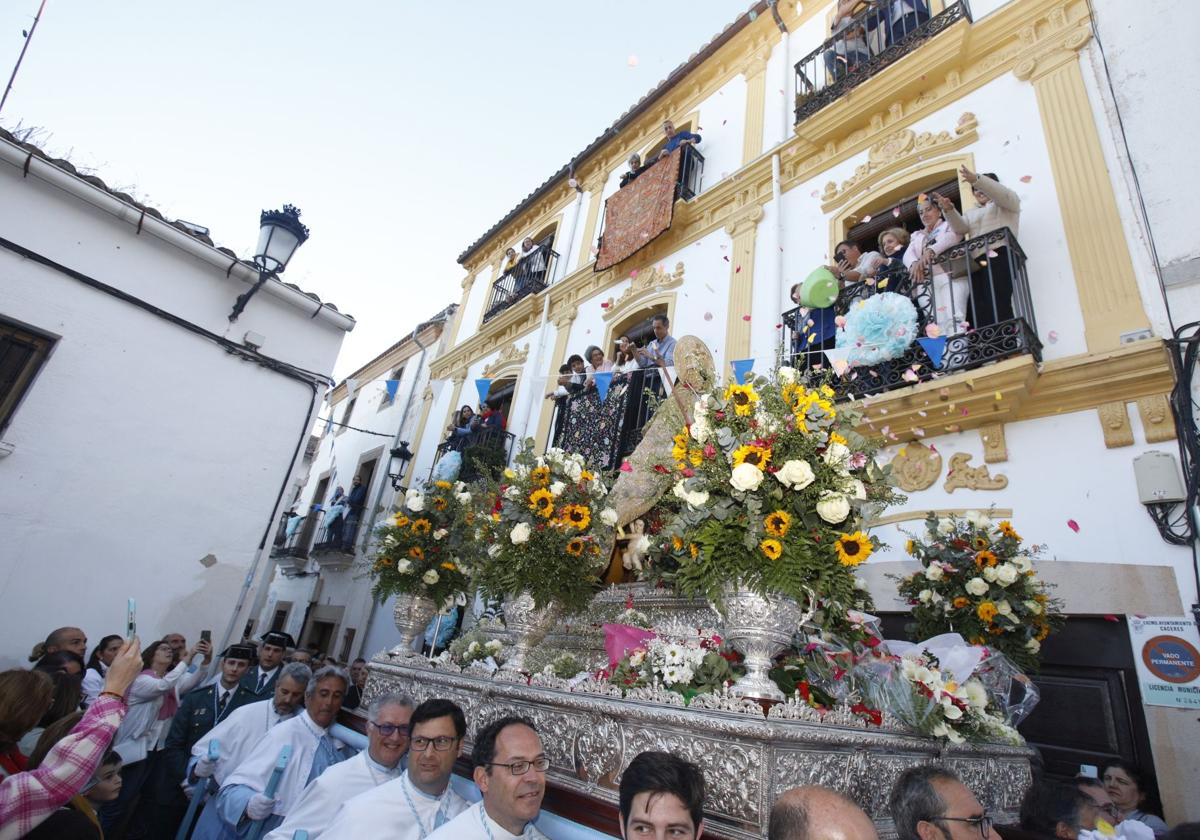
column 900, row 212
column 662, row 141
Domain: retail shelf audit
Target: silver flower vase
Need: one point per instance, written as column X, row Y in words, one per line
column 529, row 627
column 412, row 615
column 758, row 627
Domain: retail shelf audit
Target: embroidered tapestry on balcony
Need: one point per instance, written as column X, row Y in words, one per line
column 639, row 212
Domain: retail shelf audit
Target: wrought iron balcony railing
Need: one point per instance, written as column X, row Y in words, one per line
column 532, row 274
column 872, row 41
column 482, row 451
column 979, row 289
column 606, row 431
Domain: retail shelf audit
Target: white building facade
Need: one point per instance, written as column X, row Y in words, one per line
column 146, row 443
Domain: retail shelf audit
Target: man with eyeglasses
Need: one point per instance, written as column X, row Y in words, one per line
column 380, row 763
column 929, row 802
column 1094, row 789
column 421, row 800
column 510, row 771
column 1054, row 809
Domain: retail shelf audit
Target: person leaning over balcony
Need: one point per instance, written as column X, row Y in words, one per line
column 949, row 294
column 852, row 265
column 531, row 273
column 850, row 48
column 510, row 261
column 635, row 169
column 356, row 501
column 814, row 332
column 661, row 350
column 675, row 139
column 892, row 244
column 626, row 358
column 596, row 364
column 897, row 18
column 991, row 273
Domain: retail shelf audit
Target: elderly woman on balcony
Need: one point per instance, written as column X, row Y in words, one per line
column 949, row 293
column 991, row 267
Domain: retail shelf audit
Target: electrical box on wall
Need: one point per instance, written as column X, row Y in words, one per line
column 1158, row 480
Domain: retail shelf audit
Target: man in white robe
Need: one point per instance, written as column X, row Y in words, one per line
column 421, row 800
column 242, row 800
column 510, row 771
column 237, row 736
column 378, row 764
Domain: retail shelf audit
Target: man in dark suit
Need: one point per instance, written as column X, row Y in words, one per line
column 260, row 679
column 198, row 712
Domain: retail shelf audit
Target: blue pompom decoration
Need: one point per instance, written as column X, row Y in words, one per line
column 879, row 329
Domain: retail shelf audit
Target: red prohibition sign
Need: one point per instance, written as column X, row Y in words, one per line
column 1171, row 659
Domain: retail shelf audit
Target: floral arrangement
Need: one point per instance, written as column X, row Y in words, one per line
column 564, row 666
column 470, row 647
column 978, row 581
column 878, row 329
column 423, row 547
column 928, row 699
column 771, row 482
column 831, row 670
column 548, row 530
column 689, row 664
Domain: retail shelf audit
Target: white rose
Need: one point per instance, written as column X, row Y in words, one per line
column 833, row 507
column 1023, row 563
column 573, row 470
column 989, row 574
column 697, row 498
column 699, row 429
column 1007, row 574
column 935, row 572
column 493, row 644
column 1004, row 608
column 860, row 583
column 746, row 477
column 924, row 595
column 836, row 455
column 608, row 516
column 520, row 533
column 512, row 491
column 944, row 731
column 1034, row 607
column 430, row 577
column 557, row 488
column 976, row 694
column 403, row 566
column 979, row 520
column 786, row 375
column 976, row 587
column 795, row 474
column 493, row 549
column 950, row 711
column 1033, row 646
column 414, row 501
column 945, row 526
column 463, row 498
column 856, row 490
column 440, row 533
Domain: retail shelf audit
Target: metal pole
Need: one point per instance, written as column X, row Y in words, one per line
column 21, row 57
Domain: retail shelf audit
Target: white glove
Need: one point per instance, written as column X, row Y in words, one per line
column 259, row 807
column 204, row 767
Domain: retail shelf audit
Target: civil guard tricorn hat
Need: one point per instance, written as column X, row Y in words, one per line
column 278, row 638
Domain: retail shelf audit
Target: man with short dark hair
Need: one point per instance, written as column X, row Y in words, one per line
column 1052, row 809
column 675, row 139
column 661, row 796
column 510, row 771
column 64, row 638
column 421, row 800
column 661, row 350
column 176, row 642
column 1094, row 789
column 818, row 813
column 928, row 802
column 261, row 678
column 356, row 500
column 358, row 682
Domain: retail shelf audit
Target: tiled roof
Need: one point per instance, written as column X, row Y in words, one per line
column 69, row 168
column 657, row 92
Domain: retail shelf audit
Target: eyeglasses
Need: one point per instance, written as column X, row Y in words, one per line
column 520, row 768
column 441, row 743
column 983, row 823
column 387, row 730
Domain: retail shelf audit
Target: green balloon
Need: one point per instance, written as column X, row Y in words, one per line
column 820, row 289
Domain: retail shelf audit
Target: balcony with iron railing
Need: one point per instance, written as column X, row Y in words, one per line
column 532, row 274
column 314, row 536
column 482, row 452
column 606, row 431
column 871, row 41
column 980, row 287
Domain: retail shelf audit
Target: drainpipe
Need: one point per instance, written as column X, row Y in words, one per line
column 561, row 272
column 538, row 361
column 777, row 198
column 788, row 76
column 776, row 188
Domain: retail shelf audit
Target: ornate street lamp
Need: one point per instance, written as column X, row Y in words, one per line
column 400, row 458
column 280, row 233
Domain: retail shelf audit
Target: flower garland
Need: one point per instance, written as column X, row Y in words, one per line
column 977, row 580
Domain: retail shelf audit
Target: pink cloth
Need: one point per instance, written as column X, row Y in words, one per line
column 170, row 703
column 619, row 639
column 26, row 799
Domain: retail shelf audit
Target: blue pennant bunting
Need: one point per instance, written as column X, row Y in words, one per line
column 483, row 386
column 603, row 380
column 392, row 385
column 741, row 369
column 934, row 348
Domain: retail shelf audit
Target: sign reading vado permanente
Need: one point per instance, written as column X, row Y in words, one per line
column 1167, row 652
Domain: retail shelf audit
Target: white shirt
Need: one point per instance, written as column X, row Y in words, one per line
column 470, row 825
column 330, row 791
column 93, row 683
column 142, row 731
column 238, row 735
column 386, row 812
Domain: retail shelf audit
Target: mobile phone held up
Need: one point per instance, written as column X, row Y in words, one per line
column 206, row 636
column 131, row 619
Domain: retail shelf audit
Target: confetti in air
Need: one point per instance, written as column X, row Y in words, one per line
column 1073, row 525
column 632, row 61
column 1025, row 179
column 1052, row 336
column 707, row 316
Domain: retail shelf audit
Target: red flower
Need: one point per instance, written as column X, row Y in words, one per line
column 838, row 673
column 719, row 415
column 873, row 715
column 659, row 468
column 871, row 641
column 688, row 472
column 804, row 690
column 709, row 451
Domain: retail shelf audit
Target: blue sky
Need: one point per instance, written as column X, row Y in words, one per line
column 402, row 130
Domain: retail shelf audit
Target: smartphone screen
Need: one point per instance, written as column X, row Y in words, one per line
column 206, row 636
column 131, row 619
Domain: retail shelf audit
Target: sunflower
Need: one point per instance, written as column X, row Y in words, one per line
column 742, row 398
column 693, row 550
column 986, row 611
column 696, row 457
column 586, row 475
column 910, row 547
column 1007, row 530
column 777, row 523
column 449, row 567
column 751, row 454
column 439, row 503
column 676, row 544
column 985, row 558
column 1043, row 633
column 445, row 485
column 577, row 516
column 421, row 526
column 575, row 547
column 771, row 548
column 853, row 549
column 400, row 520
column 834, row 437
column 541, row 502
column 540, row 475
column 416, row 553
column 980, row 543
column 961, row 602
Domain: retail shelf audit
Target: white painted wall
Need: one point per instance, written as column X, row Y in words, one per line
column 143, row 451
